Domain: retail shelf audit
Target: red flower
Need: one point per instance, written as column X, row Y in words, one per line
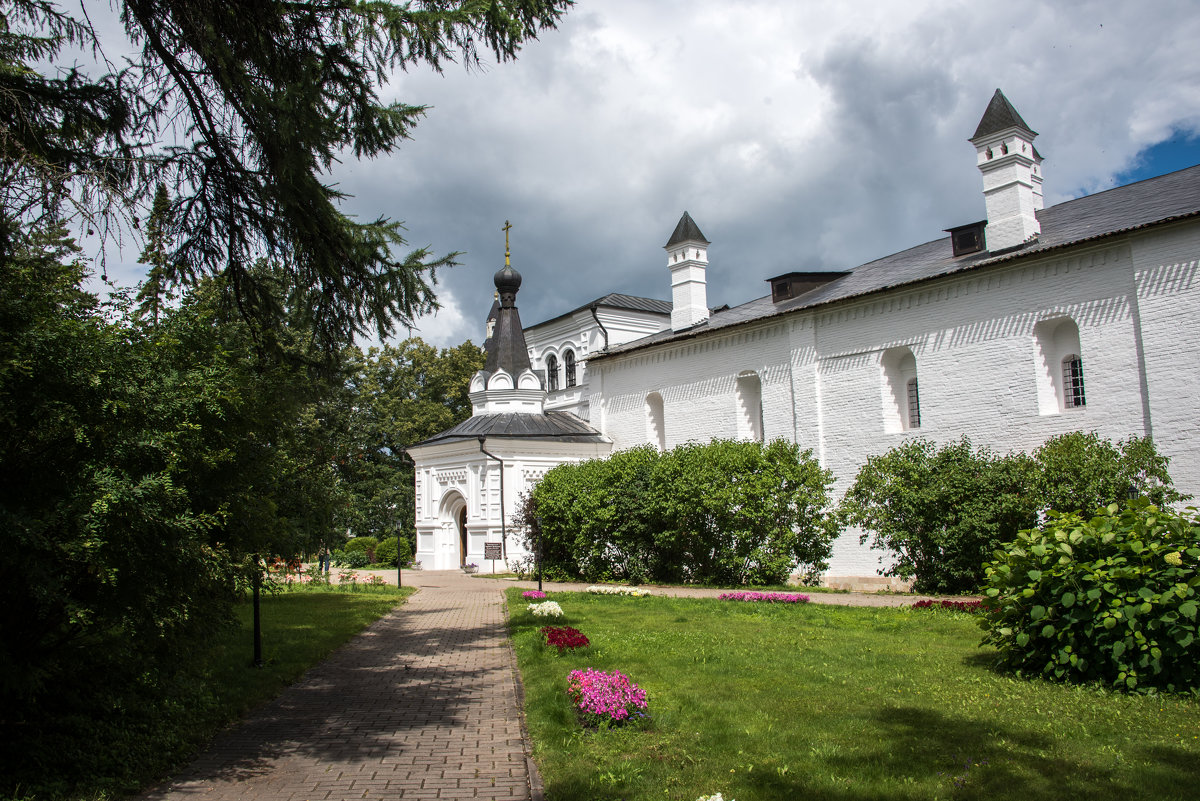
column 564, row 637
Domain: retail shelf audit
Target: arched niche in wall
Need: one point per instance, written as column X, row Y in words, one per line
column 749, row 406
column 1059, row 362
column 656, row 431
column 901, row 391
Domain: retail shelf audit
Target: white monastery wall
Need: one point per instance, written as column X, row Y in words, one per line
column 980, row 368
column 1167, row 262
column 697, row 380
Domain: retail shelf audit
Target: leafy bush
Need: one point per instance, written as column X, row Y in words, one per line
column 1080, row 472
column 364, row 544
column 351, row 558
column 725, row 512
column 390, row 549
column 385, row 552
column 1111, row 599
column 941, row 512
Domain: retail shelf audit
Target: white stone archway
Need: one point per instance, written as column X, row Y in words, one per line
column 452, row 536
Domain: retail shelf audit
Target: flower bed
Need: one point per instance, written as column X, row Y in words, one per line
column 766, row 597
column 971, row 607
column 546, row 609
column 605, row 589
column 606, row 699
column 533, row 595
column 563, row 637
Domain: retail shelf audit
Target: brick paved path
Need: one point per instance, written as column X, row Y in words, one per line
column 422, row 705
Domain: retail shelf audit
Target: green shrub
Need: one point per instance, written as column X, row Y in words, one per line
column 351, row 558
column 723, row 512
column 1080, row 472
column 941, row 512
column 385, row 552
column 363, row 544
column 1112, row 599
column 391, row 548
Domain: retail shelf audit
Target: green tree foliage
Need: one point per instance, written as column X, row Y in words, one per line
column 1112, row 599
column 726, row 512
column 394, row 397
column 256, row 101
column 144, row 466
column 941, row 512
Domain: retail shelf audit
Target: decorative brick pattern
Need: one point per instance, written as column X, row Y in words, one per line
column 422, row 705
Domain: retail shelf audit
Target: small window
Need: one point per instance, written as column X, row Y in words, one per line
column 569, row 362
column 1072, row 371
column 914, row 404
column 552, row 372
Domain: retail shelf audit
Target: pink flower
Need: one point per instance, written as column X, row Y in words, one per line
column 768, row 597
column 605, row 697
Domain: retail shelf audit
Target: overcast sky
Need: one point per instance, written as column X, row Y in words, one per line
column 799, row 135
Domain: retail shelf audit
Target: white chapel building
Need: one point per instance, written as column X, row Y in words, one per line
column 1031, row 323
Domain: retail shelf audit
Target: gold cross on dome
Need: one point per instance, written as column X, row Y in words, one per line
column 506, row 229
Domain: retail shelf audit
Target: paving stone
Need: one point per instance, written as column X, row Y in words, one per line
column 421, row 705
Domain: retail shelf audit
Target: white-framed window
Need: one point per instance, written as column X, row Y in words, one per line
column 552, row 372
column 569, row 367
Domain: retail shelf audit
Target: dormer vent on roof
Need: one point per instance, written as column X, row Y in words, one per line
column 793, row 285
column 966, row 239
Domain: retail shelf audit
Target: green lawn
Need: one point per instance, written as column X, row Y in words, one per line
column 762, row 701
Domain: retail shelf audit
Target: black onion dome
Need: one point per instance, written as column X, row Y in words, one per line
column 508, row 280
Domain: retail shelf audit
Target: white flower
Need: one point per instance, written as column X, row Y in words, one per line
column 546, row 609
column 609, row 590
column 714, row 797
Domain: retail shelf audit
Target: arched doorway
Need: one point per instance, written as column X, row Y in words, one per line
column 462, row 536
column 452, row 532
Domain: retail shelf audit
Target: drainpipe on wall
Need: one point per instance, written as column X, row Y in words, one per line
column 603, row 330
column 503, row 529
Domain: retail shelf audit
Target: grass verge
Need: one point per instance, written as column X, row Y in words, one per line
column 144, row 736
column 761, row 701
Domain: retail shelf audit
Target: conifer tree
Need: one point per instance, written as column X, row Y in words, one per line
column 242, row 107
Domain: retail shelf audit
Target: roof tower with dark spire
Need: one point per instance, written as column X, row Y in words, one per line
column 1000, row 115
column 686, row 231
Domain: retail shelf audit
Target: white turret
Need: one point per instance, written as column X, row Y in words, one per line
column 687, row 258
column 1012, row 175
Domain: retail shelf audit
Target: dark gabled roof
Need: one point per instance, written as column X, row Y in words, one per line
column 554, row 426
column 615, row 300
column 686, row 231
column 1000, row 114
column 1116, row 211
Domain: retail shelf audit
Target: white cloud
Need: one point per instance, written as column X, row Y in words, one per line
column 799, row 135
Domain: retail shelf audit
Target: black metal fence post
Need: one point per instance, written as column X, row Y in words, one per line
column 257, row 584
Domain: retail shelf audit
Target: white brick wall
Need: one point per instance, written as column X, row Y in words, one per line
column 973, row 339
